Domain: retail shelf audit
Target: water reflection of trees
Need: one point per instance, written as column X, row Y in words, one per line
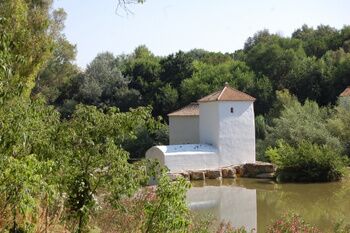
column 321, row 204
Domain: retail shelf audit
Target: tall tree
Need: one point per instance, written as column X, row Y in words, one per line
column 25, row 45
column 59, row 69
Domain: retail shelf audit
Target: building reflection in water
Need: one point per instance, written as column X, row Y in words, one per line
column 232, row 204
column 257, row 203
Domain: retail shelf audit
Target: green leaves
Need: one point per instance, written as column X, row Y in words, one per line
column 169, row 213
column 297, row 122
column 24, row 184
column 94, row 160
column 25, row 45
column 306, row 162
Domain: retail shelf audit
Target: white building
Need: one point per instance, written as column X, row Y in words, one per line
column 344, row 98
column 184, row 125
column 219, row 131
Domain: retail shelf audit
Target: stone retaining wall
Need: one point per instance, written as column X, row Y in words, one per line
column 261, row 170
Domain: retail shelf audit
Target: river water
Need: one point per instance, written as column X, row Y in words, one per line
column 255, row 203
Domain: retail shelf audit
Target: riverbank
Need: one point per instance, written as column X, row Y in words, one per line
column 258, row 169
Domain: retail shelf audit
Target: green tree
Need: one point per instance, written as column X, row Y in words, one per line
column 317, row 42
column 167, row 100
column 208, row 78
column 27, row 126
column 339, row 125
column 59, row 69
column 27, row 131
column 176, row 68
column 25, row 45
column 23, row 186
column 273, row 56
column 169, row 213
column 298, row 122
column 94, row 159
column 103, row 84
column 306, row 162
column 144, row 69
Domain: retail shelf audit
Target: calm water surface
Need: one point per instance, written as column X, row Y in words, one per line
column 256, row 203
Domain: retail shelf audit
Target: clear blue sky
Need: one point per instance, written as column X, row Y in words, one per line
column 166, row 26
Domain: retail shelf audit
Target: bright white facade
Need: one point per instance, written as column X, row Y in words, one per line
column 185, row 157
column 233, row 133
column 183, row 130
column 223, row 126
column 344, row 98
column 184, row 125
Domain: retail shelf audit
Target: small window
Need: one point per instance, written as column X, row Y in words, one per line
column 231, row 110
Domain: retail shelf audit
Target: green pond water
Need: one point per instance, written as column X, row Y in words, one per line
column 255, row 203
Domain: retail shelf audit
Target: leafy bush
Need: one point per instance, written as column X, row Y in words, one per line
column 298, row 122
column 151, row 209
column 292, row 223
column 339, row 125
column 340, row 227
column 169, row 211
column 306, row 162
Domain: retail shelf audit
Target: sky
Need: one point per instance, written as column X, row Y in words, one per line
column 167, row 26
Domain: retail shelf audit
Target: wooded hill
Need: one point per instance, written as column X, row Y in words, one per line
column 312, row 64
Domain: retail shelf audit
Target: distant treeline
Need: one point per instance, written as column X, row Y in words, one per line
column 312, row 64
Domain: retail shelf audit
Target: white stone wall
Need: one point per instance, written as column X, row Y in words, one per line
column 209, row 123
column 236, row 132
column 180, row 158
column 183, row 130
column 344, row 101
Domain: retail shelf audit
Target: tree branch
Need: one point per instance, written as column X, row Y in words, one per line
column 124, row 5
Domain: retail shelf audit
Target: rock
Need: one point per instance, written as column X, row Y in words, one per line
column 266, row 175
column 197, row 175
column 239, row 170
column 213, row 174
column 185, row 175
column 228, row 172
column 254, row 169
column 174, row 176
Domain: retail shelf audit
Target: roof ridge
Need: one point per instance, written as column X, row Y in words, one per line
column 190, row 105
column 227, row 93
column 222, row 91
column 346, row 92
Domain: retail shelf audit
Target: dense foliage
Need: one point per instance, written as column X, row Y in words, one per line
column 55, row 171
column 312, row 64
column 304, row 140
column 66, row 135
column 306, row 162
column 292, row 223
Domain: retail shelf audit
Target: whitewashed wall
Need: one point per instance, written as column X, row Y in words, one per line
column 344, row 101
column 185, row 157
column 236, row 132
column 183, row 130
column 209, row 123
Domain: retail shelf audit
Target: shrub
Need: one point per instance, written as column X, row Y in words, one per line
column 306, row 162
column 340, row 227
column 169, row 211
column 292, row 223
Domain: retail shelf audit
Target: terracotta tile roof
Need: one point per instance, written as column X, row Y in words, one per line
column 190, row 110
column 346, row 92
column 227, row 94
